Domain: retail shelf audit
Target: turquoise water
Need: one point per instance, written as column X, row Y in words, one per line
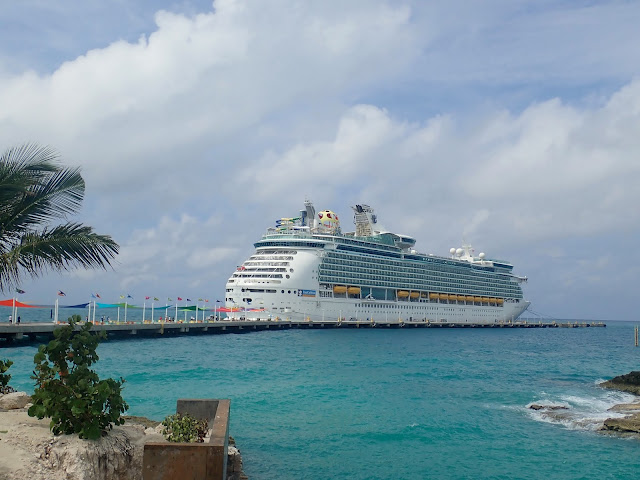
column 392, row 404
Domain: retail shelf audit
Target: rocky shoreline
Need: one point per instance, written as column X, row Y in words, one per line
column 628, row 425
column 29, row 451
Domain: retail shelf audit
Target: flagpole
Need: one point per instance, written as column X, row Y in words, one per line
column 89, row 315
column 152, row 304
column 94, row 311
column 55, row 319
column 125, row 310
column 144, row 308
column 196, row 312
column 176, row 318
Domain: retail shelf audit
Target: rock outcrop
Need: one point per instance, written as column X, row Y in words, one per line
column 537, row 406
column 234, row 462
column 13, row 401
column 630, row 424
column 29, row 451
column 625, row 383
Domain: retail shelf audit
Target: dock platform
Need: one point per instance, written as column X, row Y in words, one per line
column 13, row 334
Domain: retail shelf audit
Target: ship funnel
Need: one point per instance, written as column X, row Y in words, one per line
column 365, row 219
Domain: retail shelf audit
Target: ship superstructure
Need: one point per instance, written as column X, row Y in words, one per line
column 305, row 267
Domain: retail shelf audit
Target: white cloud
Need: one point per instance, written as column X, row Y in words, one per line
column 196, row 134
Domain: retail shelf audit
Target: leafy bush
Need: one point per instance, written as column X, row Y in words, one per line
column 184, row 428
column 5, row 377
column 68, row 391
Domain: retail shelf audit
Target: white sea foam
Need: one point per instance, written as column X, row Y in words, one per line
column 579, row 411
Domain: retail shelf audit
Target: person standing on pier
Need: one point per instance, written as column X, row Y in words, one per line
column 18, row 321
column 10, row 318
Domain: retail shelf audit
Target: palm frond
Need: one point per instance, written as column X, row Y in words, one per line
column 61, row 248
column 35, row 190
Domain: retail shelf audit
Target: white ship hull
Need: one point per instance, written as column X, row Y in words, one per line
column 253, row 293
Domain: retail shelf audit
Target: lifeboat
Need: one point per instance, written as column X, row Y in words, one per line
column 339, row 289
column 492, row 301
column 414, row 294
column 469, row 298
column 461, row 298
column 485, row 299
column 477, row 299
column 353, row 290
column 443, row 296
column 403, row 294
column 500, row 301
column 434, row 296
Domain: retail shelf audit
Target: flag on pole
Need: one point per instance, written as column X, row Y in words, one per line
column 169, row 300
column 147, row 298
column 61, row 293
column 200, row 300
column 156, row 299
column 129, row 296
column 179, row 298
column 188, row 299
column 20, row 291
column 121, row 296
column 98, row 295
column 93, row 296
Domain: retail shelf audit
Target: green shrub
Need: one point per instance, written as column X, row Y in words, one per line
column 184, row 428
column 5, row 377
column 68, row 391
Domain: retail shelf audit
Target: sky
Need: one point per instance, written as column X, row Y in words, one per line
column 513, row 125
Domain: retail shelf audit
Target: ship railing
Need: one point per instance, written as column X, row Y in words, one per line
column 285, row 231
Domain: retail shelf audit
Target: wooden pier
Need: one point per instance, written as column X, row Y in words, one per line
column 12, row 334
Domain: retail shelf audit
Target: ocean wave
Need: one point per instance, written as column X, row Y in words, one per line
column 583, row 411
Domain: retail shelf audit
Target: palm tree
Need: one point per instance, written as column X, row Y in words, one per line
column 35, row 191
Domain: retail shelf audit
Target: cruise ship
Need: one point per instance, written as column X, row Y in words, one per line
column 306, row 268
